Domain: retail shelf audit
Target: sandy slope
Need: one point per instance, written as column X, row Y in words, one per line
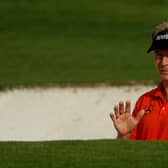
column 61, row 113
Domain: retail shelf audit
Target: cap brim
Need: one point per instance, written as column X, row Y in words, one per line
column 151, row 48
column 163, row 45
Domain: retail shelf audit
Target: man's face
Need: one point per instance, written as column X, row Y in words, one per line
column 161, row 62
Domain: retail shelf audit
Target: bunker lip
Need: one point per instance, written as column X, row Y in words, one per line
column 62, row 113
column 83, row 84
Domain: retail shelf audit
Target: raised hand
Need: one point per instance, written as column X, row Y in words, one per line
column 123, row 120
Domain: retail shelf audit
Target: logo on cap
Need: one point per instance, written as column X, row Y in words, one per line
column 162, row 37
column 160, row 41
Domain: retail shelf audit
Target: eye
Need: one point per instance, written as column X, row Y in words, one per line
column 158, row 57
column 158, row 54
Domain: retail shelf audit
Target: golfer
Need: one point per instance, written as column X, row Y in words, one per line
column 149, row 120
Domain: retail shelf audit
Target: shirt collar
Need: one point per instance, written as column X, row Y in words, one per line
column 159, row 92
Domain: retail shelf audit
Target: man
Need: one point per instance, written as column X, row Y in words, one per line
column 149, row 120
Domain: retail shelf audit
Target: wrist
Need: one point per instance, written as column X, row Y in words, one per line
column 127, row 136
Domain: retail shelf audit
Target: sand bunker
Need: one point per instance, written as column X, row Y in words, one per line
column 62, row 113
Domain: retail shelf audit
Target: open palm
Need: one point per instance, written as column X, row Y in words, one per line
column 123, row 120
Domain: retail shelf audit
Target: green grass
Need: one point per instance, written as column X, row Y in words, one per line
column 82, row 154
column 78, row 41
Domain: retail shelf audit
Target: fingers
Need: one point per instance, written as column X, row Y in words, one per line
column 115, row 115
column 128, row 106
column 140, row 115
column 121, row 107
column 116, row 111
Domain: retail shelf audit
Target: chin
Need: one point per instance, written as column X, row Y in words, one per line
column 164, row 77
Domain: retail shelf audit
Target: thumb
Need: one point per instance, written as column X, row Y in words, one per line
column 140, row 115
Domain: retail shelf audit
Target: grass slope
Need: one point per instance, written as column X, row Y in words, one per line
column 82, row 154
column 45, row 42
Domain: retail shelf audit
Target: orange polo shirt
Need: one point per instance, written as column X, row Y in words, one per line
column 154, row 123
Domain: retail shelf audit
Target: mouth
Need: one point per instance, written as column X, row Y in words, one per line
column 164, row 72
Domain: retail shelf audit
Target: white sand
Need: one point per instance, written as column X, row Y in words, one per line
column 62, row 113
